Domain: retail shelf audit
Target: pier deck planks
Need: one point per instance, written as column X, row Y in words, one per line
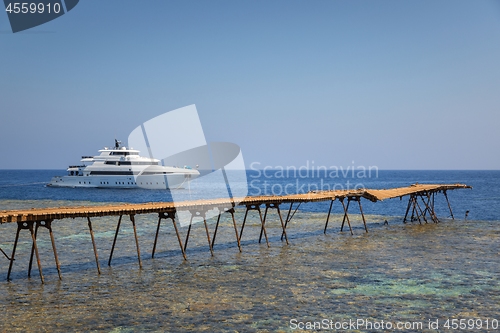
column 40, row 214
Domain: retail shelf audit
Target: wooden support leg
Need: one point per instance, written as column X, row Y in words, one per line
column 282, row 223
column 222, row 211
column 216, row 227
column 132, row 218
column 188, row 232
column 432, row 203
column 407, row 209
column 449, row 206
column 414, row 209
column 30, row 265
column 156, row 236
column 93, row 244
column 208, row 236
column 243, row 225
column 420, row 210
column 5, row 254
column 48, row 225
column 235, row 228
column 429, row 207
column 178, row 236
column 346, row 216
column 289, row 217
column 168, row 215
column 36, row 252
column 328, row 216
column 362, row 215
column 263, row 223
column 19, row 227
column 114, row 240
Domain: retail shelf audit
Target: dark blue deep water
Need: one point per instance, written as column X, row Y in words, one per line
column 413, row 274
column 482, row 201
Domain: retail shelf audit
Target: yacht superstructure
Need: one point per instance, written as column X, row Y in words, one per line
column 122, row 167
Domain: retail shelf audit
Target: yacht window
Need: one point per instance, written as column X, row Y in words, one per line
column 123, row 153
column 102, row 173
column 130, row 163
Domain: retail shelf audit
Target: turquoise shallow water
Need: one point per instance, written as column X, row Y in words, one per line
column 395, row 272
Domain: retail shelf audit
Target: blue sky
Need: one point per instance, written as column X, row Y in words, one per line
column 392, row 84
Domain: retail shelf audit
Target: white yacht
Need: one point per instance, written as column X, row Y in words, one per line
column 122, row 167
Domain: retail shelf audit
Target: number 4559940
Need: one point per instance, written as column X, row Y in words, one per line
column 32, row 7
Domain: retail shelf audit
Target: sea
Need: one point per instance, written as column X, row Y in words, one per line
column 402, row 277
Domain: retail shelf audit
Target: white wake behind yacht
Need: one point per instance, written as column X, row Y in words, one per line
column 122, row 167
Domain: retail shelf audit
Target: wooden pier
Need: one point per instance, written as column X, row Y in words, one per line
column 420, row 206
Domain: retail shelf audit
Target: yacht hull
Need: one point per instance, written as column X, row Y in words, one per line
column 147, row 182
